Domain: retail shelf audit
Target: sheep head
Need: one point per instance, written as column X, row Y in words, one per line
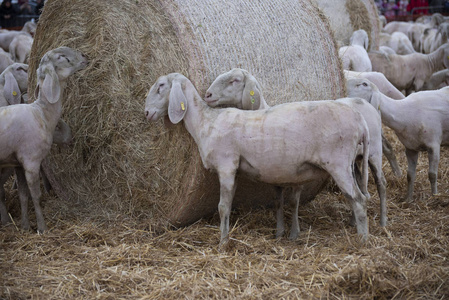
column 365, row 89
column 56, row 66
column 168, row 95
column 237, row 88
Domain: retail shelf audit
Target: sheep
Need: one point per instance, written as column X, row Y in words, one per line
column 279, row 145
column 355, row 57
column 419, row 121
column 441, row 37
column 20, row 48
column 398, row 41
column 409, row 72
column 223, row 90
column 35, row 123
column 5, row 60
column 13, row 83
column 388, row 89
column 436, row 81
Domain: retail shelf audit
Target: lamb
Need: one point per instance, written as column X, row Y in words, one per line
column 419, row 121
column 355, row 57
column 409, row 72
column 20, row 48
column 232, row 87
column 273, row 145
column 35, row 123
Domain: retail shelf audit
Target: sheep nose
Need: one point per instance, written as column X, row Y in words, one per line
column 208, row 95
column 146, row 113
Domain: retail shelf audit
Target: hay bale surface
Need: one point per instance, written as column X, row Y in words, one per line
column 121, row 161
column 347, row 16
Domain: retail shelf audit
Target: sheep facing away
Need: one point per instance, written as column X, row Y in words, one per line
column 355, row 56
column 419, row 121
column 409, row 72
column 20, row 48
column 278, row 145
column 35, row 124
column 232, row 88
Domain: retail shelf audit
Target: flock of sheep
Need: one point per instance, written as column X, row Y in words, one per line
column 291, row 145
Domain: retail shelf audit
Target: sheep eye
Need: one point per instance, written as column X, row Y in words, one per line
column 365, row 84
column 160, row 86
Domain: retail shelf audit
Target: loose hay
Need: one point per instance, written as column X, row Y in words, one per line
column 347, row 16
column 88, row 255
column 120, row 160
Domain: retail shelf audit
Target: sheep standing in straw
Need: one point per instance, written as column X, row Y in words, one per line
column 26, row 130
column 288, row 144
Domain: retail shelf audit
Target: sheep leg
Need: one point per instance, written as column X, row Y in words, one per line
column 434, row 159
column 388, row 151
column 379, row 179
column 32, row 179
column 294, row 232
column 227, row 190
column 4, row 175
column 279, row 205
column 412, row 160
column 348, row 186
column 23, row 196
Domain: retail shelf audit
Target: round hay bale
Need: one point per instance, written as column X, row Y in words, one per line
column 347, row 16
column 118, row 158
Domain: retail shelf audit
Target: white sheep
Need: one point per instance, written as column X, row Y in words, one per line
column 5, row 60
column 35, row 123
column 437, row 81
column 419, row 121
column 409, row 72
column 388, row 89
column 20, row 48
column 233, row 87
column 398, row 41
column 355, row 57
column 290, row 143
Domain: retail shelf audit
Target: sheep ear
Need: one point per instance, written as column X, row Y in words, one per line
column 51, row 88
column 251, row 94
column 366, row 43
column 177, row 103
column 11, row 89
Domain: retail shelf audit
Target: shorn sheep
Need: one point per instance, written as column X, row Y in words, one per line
column 355, row 56
column 26, row 130
column 287, row 144
column 420, row 122
column 232, row 87
column 409, row 72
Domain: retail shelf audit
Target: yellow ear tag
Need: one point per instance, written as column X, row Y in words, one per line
column 251, row 93
column 14, row 93
column 182, row 106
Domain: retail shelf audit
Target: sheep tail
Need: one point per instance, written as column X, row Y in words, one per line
column 365, row 162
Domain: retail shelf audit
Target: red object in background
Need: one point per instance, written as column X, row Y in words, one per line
column 418, row 3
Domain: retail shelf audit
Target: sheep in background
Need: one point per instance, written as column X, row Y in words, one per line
column 35, row 124
column 280, row 145
column 355, row 57
column 419, row 121
column 409, row 72
column 233, row 88
column 5, row 60
column 20, row 48
column 437, row 81
column 397, row 41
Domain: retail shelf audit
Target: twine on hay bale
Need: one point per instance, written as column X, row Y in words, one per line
column 121, row 160
column 347, row 16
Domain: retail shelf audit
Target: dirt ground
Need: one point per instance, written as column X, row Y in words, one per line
column 96, row 251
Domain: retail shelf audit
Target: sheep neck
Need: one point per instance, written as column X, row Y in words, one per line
column 436, row 59
column 393, row 113
column 51, row 111
column 197, row 117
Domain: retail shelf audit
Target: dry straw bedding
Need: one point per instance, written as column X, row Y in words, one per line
column 94, row 252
